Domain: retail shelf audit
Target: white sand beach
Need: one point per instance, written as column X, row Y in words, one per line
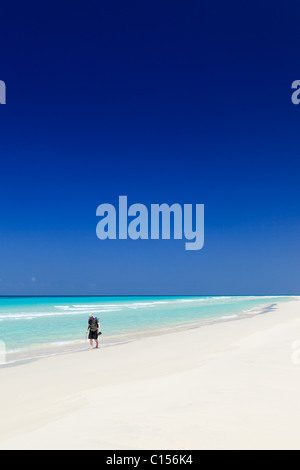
column 229, row 385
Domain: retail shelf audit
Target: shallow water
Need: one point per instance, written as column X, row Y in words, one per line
column 32, row 327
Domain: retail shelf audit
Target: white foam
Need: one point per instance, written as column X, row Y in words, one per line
column 253, row 312
column 31, row 315
column 226, row 317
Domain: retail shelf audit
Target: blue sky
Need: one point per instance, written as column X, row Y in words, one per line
column 186, row 102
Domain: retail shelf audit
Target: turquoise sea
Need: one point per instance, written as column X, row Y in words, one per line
column 34, row 327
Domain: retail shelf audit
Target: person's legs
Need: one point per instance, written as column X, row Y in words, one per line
column 94, row 337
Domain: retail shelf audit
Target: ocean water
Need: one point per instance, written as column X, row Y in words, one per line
column 35, row 327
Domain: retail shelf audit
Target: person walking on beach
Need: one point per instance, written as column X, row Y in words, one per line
column 93, row 326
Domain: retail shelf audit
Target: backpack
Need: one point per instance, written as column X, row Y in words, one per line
column 97, row 321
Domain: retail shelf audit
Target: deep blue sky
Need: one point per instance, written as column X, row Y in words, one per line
column 168, row 101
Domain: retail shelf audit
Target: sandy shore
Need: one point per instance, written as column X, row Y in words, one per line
column 232, row 385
